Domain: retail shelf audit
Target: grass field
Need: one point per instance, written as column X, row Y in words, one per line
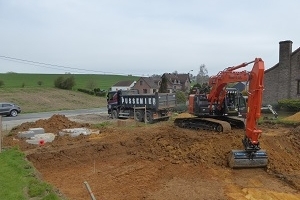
column 19, row 180
column 41, row 99
column 16, row 80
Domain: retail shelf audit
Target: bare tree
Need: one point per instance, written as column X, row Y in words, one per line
column 202, row 76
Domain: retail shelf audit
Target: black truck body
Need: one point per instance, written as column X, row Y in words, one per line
column 142, row 107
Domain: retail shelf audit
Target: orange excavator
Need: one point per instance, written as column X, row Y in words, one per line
column 220, row 110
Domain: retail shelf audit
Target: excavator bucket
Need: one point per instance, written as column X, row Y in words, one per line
column 246, row 159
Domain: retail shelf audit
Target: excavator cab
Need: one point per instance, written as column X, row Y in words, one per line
column 235, row 103
column 198, row 105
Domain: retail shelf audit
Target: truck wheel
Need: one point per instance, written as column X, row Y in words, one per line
column 149, row 117
column 139, row 116
column 114, row 114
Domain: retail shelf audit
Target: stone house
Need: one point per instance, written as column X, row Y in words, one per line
column 147, row 85
column 152, row 84
column 123, row 85
column 282, row 81
column 176, row 82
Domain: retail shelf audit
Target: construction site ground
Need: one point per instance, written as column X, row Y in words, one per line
column 130, row 160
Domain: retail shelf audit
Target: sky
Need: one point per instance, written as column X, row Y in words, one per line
column 142, row 37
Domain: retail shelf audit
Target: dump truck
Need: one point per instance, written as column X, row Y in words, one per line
column 142, row 107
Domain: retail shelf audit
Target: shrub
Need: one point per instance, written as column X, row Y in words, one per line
column 101, row 93
column 23, row 85
column 289, row 104
column 1, row 83
column 180, row 108
column 181, row 97
column 40, row 83
column 59, row 81
column 96, row 91
column 86, row 91
column 65, row 83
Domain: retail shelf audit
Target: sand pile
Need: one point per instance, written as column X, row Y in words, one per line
column 295, row 117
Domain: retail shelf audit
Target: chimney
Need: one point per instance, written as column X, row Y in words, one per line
column 285, row 50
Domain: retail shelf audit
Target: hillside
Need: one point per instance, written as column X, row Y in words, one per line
column 85, row 81
column 49, row 99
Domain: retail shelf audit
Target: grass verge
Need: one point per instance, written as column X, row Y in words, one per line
column 18, row 179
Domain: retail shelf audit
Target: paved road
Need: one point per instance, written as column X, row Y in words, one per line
column 9, row 122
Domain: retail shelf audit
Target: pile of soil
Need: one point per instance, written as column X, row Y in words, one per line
column 52, row 125
column 162, row 161
column 295, row 117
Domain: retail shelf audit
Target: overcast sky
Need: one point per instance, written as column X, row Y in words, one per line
column 142, row 37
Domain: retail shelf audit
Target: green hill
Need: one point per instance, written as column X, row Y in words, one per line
column 16, row 80
column 50, row 99
column 24, row 90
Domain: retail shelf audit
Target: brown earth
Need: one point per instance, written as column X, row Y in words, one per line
column 129, row 160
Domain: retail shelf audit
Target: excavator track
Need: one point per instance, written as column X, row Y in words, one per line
column 212, row 123
column 203, row 124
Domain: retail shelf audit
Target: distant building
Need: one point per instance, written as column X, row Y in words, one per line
column 282, row 81
column 123, row 85
column 176, row 82
column 147, row 85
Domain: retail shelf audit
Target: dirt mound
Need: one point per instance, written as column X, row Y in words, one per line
column 295, row 117
column 52, row 125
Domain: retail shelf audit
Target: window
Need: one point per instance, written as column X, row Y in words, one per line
column 141, row 82
column 145, row 91
column 298, row 86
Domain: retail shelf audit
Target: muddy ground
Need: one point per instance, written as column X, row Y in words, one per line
column 129, row 160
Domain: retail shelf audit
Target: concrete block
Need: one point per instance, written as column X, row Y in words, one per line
column 26, row 134
column 37, row 130
column 73, row 132
column 45, row 137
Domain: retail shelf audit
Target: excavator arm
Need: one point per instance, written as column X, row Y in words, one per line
column 252, row 156
column 254, row 105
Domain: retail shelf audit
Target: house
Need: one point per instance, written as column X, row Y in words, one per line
column 152, row 84
column 147, row 85
column 123, row 85
column 177, row 82
column 282, row 81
